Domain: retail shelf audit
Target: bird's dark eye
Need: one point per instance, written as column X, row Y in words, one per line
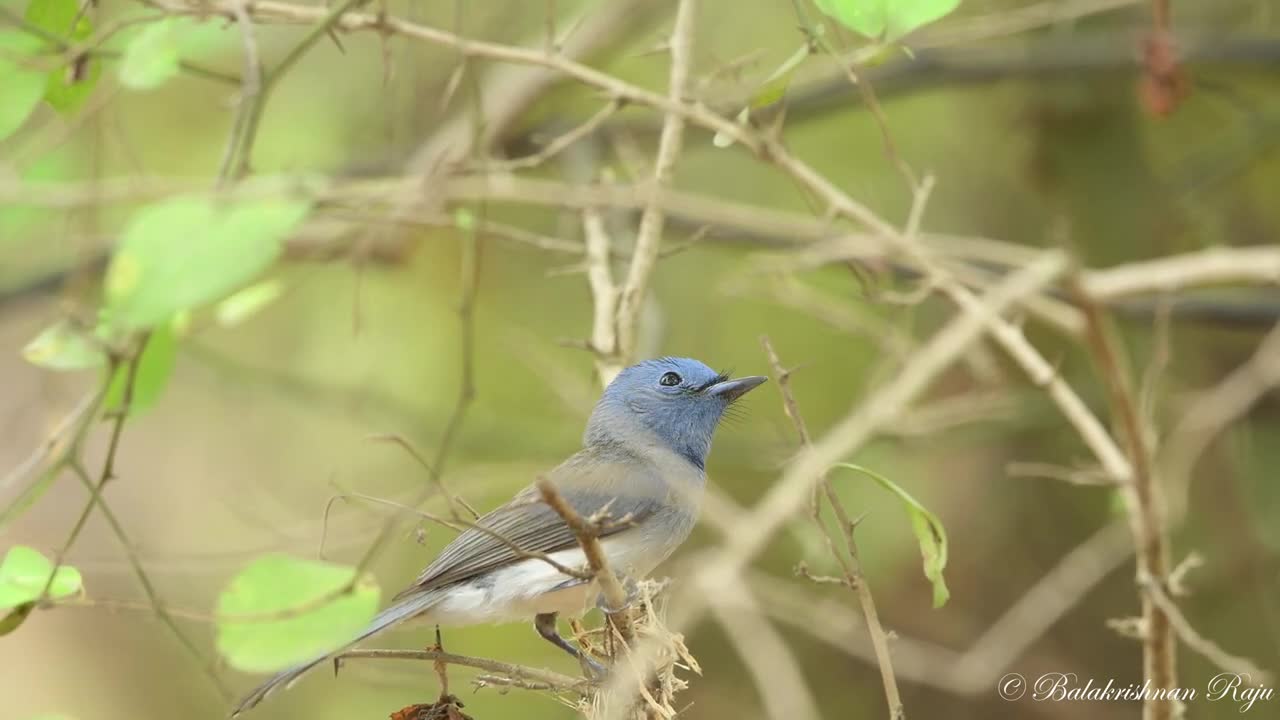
column 669, row 379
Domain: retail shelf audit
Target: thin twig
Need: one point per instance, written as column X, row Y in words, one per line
column 849, row 561
column 554, row 680
column 1208, row 649
column 559, row 143
column 1144, row 505
column 253, row 104
column 73, row 462
column 604, row 294
column 251, row 88
column 1211, row 413
column 588, row 537
column 649, row 235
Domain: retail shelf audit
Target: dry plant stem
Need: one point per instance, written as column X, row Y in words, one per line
column 1044, row 375
column 162, row 613
column 1005, row 333
column 769, row 227
column 1208, row 649
column 95, row 488
column 507, row 92
column 73, row 462
column 51, row 454
column 588, row 537
column 558, row 144
column 1260, row 265
column 1214, row 412
column 250, row 90
column 849, row 562
column 258, row 84
column 1144, row 506
column 553, row 680
column 604, row 295
column 753, row 530
column 274, row 11
column 649, row 234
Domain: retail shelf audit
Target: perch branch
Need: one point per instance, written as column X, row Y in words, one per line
column 589, row 538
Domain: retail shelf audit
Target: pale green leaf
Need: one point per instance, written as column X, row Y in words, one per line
column 21, row 87
column 152, row 376
column 246, row 303
column 183, row 253
column 63, row 346
column 66, row 88
column 770, row 91
column 930, row 534
column 24, row 572
column 886, row 19
column 282, row 610
column 151, row 58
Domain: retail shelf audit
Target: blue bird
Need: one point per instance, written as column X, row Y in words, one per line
column 643, row 458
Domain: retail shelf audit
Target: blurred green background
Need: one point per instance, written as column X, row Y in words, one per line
column 263, row 423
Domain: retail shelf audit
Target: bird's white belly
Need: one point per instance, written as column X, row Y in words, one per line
column 531, row 587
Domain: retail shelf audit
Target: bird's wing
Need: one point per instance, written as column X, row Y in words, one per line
column 588, row 481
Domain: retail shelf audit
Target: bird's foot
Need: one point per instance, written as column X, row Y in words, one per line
column 595, row 670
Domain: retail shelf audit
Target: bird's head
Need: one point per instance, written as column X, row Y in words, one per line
column 676, row 402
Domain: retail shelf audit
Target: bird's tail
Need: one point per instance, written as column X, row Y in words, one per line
column 403, row 610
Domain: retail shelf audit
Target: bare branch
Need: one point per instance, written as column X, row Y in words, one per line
column 649, row 236
column 1145, row 506
column 848, row 560
column 588, row 538
column 552, row 680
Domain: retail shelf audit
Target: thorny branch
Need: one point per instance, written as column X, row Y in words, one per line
column 551, row 680
column 588, row 534
column 1144, row 503
column 652, row 219
column 73, row 461
column 848, row 560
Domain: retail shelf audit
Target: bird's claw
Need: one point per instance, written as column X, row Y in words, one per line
column 595, row 670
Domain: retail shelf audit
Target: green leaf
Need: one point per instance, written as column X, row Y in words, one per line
column 24, row 573
column 773, row 89
column 886, row 19
column 67, row 88
column 928, row 530
column 244, row 304
column 151, row 58
column 63, row 346
column 182, row 253
column 154, row 368
column 20, row 87
column 290, row 610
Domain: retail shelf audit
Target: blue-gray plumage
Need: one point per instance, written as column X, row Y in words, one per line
column 643, row 461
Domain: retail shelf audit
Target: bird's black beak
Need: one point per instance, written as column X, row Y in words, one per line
column 733, row 389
